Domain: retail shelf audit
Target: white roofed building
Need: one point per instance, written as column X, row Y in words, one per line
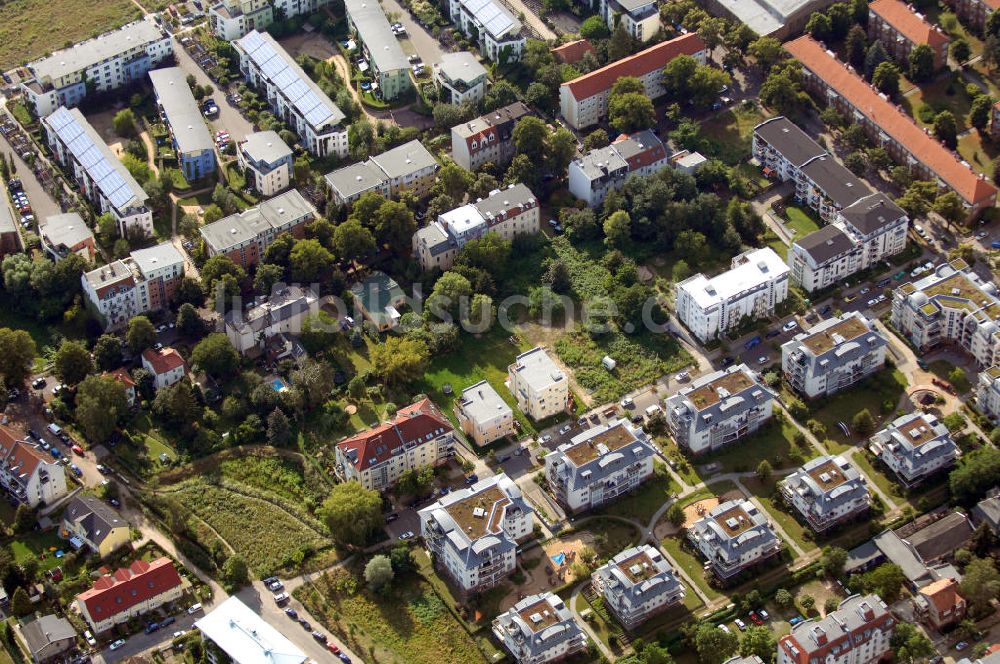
column 245, row 637
column 406, row 167
column 734, row 536
column 637, row 584
column 390, row 68
column 499, row 34
column 267, row 162
column 539, row 386
column 914, row 447
column 538, row 629
column 460, row 78
column 147, row 280
column 65, row 234
column 178, row 108
column 483, row 414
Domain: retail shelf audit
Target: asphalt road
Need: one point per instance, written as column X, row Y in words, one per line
column 41, row 203
column 229, row 116
column 427, row 47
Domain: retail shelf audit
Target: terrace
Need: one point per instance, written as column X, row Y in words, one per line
column 919, row 432
column 845, row 330
column 637, row 568
column 828, row 475
column 479, row 514
column 734, row 521
column 539, row 615
column 714, row 392
column 610, row 440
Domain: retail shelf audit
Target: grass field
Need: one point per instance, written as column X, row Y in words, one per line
column 39, row 546
column 774, row 442
column 763, row 492
column 727, row 135
column 945, row 93
column 31, row 28
column 648, row 498
column 800, row 221
column 690, row 564
column 870, row 394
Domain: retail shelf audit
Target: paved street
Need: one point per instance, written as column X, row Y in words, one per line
column 427, row 47
column 41, row 203
column 229, row 116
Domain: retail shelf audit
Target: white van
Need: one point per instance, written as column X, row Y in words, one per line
column 652, row 410
column 55, row 429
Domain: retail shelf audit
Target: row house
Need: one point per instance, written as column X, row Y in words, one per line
column 833, row 355
column 755, row 284
column 267, row 162
column 950, row 305
column 28, row 474
column 915, row 447
column 487, row 139
column 718, row 409
column 901, row 29
column 637, row 584
column 107, row 62
column 603, row 170
column 246, row 235
column 473, row 532
column 838, row 86
column 599, row 465
column 539, row 629
column 96, row 171
column 858, row 632
column 146, row 281
column 460, row 78
column 507, row 212
column 483, row 414
column 407, row 167
column 419, row 435
column 390, row 70
column 988, row 393
column 499, row 36
column 192, row 143
column 734, row 536
column 583, row 102
column 129, row 592
column 292, row 95
column 826, row 491
column 539, row 386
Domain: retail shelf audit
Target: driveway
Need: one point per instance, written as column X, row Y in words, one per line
column 160, row 639
column 41, row 203
column 229, row 116
column 427, row 47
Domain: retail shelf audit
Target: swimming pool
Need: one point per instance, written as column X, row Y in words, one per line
column 278, row 385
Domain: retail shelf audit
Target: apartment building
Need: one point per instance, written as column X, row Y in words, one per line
column 734, row 536
column 539, row 386
column 146, row 281
column 940, row 604
column 637, row 584
column 838, row 87
column 231, row 19
column 754, row 285
column 974, row 13
column 473, row 532
column 718, row 409
column 107, row 62
column 182, row 115
column 901, row 28
column 599, row 465
column 833, row 355
column 640, row 18
column 771, row 18
column 406, row 167
column 988, row 393
column 129, row 592
column 507, row 212
column 858, row 632
column 233, row 632
column 282, row 313
column 497, row 33
column 28, row 474
column 390, row 70
column 419, row 435
column 266, row 161
column 102, row 179
column 94, row 524
column 245, row 236
column 584, row 100
column 65, row 234
column 915, row 446
column 826, row 491
column 483, row 414
column 460, row 78
column 487, row 139
column 539, row 629
column 165, row 364
column 292, row 95
column 950, row 305
column 10, row 236
column 602, row 170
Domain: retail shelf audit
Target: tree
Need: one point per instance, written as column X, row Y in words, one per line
column 991, row 51
column 921, row 63
column 758, row 640
column 24, row 518
column 279, row 431
column 875, row 56
column 886, row 78
column 819, row 26
column 235, row 574
column 782, row 90
column 217, row 268
column 353, row 242
column 416, row 481
column 675, row 514
column 833, row 560
column 124, row 123
column 886, row 581
column 72, row 362
column 766, row 51
column 980, row 585
column 378, row 572
column 101, row 405
column 976, row 473
column 863, row 423
column 399, row 360
column 309, row 261
column 108, row 352
column 616, row 229
column 918, row 198
column 960, row 50
column 352, row 513
column 530, row 134
column 950, row 206
column 395, row 226
column 946, row 129
column 714, row 645
column 216, row 356
column 911, row 644
column 979, row 113
column 764, row 470
column 266, row 277
column 595, row 139
column 454, row 181
column 20, row 605
column 594, row 27
column 189, row 323
column 560, row 151
column 807, row 602
column 631, row 112
column 17, row 356
column 856, row 162
column 783, row 598
column 855, row 46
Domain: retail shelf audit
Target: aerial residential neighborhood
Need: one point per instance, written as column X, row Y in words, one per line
column 482, row 331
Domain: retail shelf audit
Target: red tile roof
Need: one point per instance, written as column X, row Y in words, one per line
column 572, row 52
column 413, row 423
column 944, row 594
column 891, row 120
column 163, row 360
column 122, row 376
column 14, row 451
column 640, row 64
column 902, row 17
column 125, row 588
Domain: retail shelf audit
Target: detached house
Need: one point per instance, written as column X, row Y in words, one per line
column 826, row 491
column 734, row 536
column 46, row 637
column 940, row 604
column 915, row 446
column 122, row 375
column 283, row 313
column 166, row 365
column 483, row 414
column 602, row 170
column 89, row 521
column 539, row 629
column 129, row 592
column 28, row 474
column 637, row 584
column 267, row 162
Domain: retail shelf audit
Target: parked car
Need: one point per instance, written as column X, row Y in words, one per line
column 281, row 598
column 796, row 620
column 275, row 586
column 763, row 359
column 995, row 244
column 790, row 325
column 89, row 638
column 405, row 536
column 38, row 383
column 472, row 479
column 565, row 430
column 392, row 517
column 961, row 645
column 332, row 647
column 627, row 403
column 882, row 283
column 724, row 628
column 825, row 310
column 292, row 613
column 742, row 625
column 763, row 615
column 117, row 644
column 75, row 469
column 726, row 361
column 755, row 619
column 547, row 438
column 194, row 608
column 344, row 658
column 752, row 343
column 152, row 627
column 772, row 334
column 169, row 620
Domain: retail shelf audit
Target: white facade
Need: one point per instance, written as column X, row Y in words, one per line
column 145, row 281
column 915, row 446
column 540, row 387
column 637, row 584
column 166, row 365
column 283, row 313
column 460, row 78
column 497, row 33
column 640, row 18
column 267, row 161
column 756, row 283
column 833, row 355
column 231, row 19
column 28, row 474
column 826, row 491
column 487, row 139
column 734, row 536
column 538, row 629
column 988, row 393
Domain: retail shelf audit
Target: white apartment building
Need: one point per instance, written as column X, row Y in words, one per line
column 145, row 281
column 858, row 632
column 755, row 284
column 833, row 355
column 988, row 393
column 103, row 179
column 483, row 414
column 539, row 386
column 406, row 167
column 734, row 536
column 267, row 162
column 418, row 436
column 539, row 629
column 231, row 19
column 246, row 638
column 602, row 170
column 915, row 446
column 107, row 62
column 292, row 95
column 826, row 491
column 28, row 474
column 473, row 532
column 950, row 305
column 282, row 313
column 498, row 34
column 165, row 364
column 637, row 584
column 599, row 465
column 389, row 68
column 506, row 212
column 584, row 100
column 640, row 18
column 487, row 139
column 718, row 409
column 460, row 78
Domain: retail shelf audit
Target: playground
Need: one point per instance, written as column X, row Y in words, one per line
column 547, row 567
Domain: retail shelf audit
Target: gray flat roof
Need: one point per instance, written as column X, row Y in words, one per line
column 373, row 29
column 154, row 258
column 247, row 225
column 767, row 16
column 825, row 243
column 65, row 229
column 354, row 179
column 90, row 52
column 788, row 138
column 462, row 66
column 7, row 224
column 405, row 159
column 265, row 146
column 181, row 110
column 481, row 402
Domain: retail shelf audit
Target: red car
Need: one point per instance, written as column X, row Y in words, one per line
column 755, row 619
column 332, row 647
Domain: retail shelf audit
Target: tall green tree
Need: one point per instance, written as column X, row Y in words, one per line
column 352, row 513
column 631, row 112
column 714, row 645
column 216, row 356
column 921, row 63
column 17, row 356
column 101, row 405
column 309, row 261
column 980, row 585
column 72, row 362
column 108, row 352
column 399, row 360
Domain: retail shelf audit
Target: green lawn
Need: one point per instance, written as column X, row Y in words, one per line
column 727, row 135
column 883, row 387
column 764, row 492
column 979, row 153
column 40, row 546
column 648, row 498
column 942, row 369
column 801, row 220
column 690, row 564
column 775, row 443
column 953, row 27
column 875, row 474
column 947, row 92
column 776, row 243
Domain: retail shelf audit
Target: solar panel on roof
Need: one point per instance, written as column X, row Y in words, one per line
column 285, row 78
column 101, row 170
column 252, row 40
column 296, row 89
